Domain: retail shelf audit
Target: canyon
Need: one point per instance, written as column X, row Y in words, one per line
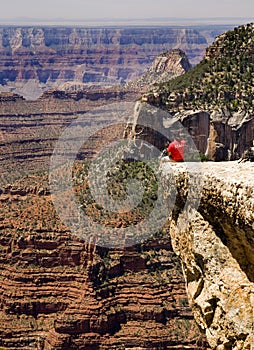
column 29, row 139
column 35, row 59
column 59, row 291
column 72, row 294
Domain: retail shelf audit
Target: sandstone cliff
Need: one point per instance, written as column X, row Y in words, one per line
column 216, row 249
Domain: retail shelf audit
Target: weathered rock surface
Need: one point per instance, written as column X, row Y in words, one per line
column 216, row 248
column 37, row 58
column 221, row 135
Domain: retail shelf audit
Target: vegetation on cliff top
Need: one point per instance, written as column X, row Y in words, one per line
column 223, row 79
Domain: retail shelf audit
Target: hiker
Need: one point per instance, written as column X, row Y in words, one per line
column 176, row 150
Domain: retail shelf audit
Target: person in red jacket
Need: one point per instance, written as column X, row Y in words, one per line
column 176, row 150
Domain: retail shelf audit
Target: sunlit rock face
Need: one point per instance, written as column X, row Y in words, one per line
column 216, row 247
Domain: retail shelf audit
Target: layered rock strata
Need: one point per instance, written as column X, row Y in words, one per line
column 58, row 292
column 29, row 129
column 37, row 58
column 61, row 293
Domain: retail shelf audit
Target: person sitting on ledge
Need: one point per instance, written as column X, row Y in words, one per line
column 176, row 150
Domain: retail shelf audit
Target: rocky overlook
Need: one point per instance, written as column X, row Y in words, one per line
column 216, row 249
column 218, row 93
column 37, row 58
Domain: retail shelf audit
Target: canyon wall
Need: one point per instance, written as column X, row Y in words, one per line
column 61, row 293
column 30, row 129
column 220, row 135
column 166, row 66
column 37, row 58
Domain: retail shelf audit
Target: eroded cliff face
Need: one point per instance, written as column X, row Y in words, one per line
column 35, row 59
column 216, row 248
column 29, row 130
column 221, row 135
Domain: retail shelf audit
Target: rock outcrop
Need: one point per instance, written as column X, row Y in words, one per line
column 166, row 66
column 220, row 135
column 37, row 58
column 216, row 248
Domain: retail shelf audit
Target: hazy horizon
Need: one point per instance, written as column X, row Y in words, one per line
column 171, row 21
column 119, row 10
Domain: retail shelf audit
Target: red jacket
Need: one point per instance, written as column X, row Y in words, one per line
column 176, row 150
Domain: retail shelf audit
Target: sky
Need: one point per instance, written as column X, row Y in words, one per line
column 126, row 9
